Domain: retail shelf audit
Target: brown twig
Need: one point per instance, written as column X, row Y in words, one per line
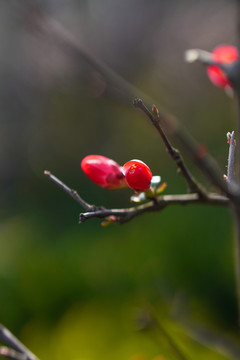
column 124, row 215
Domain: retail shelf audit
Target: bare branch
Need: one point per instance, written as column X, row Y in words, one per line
column 198, row 152
column 52, row 28
column 194, row 186
column 71, row 192
column 231, row 160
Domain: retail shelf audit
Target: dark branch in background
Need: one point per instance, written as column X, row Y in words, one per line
column 238, row 136
column 55, row 31
column 15, row 349
column 123, row 215
column 231, row 159
column 237, row 206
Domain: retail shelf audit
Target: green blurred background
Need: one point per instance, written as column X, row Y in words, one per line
column 163, row 281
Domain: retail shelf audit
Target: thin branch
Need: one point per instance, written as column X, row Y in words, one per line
column 127, row 214
column 10, row 340
column 194, row 186
column 198, row 152
column 11, row 354
column 71, row 192
column 238, row 134
column 231, row 159
column 236, row 210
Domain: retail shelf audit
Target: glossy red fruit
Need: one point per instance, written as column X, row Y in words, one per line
column 103, row 171
column 138, row 175
column 224, row 54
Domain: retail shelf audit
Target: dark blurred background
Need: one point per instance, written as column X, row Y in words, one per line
column 78, row 291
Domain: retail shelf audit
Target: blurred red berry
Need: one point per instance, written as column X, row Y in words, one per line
column 103, row 171
column 224, row 54
column 138, row 175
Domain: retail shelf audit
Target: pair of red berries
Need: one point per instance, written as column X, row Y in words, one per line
column 108, row 174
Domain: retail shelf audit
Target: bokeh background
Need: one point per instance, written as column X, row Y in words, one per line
column 164, row 281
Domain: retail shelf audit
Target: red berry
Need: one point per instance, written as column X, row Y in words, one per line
column 103, row 171
column 224, row 54
column 138, row 175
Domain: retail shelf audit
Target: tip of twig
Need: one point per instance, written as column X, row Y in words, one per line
column 4, row 351
column 46, row 172
column 193, row 55
column 155, row 112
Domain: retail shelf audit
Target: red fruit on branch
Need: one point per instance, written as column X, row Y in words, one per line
column 224, row 54
column 138, row 175
column 103, row 171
